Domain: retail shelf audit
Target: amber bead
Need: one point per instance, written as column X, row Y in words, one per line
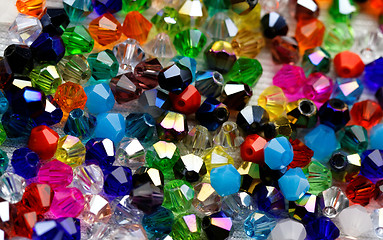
column 136, row 26
column 35, row 8
column 309, row 34
column 105, row 29
column 186, row 102
column 247, row 43
column 70, row 96
column 360, row 190
column 366, row 114
column 252, row 149
column 348, row 64
column 43, row 141
column 305, row 10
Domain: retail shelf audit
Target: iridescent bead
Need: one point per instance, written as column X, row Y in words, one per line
column 217, row 226
column 25, row 162
column 273, row 100
column 334, row 113
column 67, row 202
column 316, row 60
column 80, row 124
column 100, row 151
column 96, row 209
column 345, row 166
column 206, row 199
column 314, row 140
column 259, row 225
column 110, row 125
column 293, row 184
column 118, row 182
column 155, row 102
column 186, row 227
column 88, row 179
column 269, row 198
column 220, row 56
column 55, row 173
column 302, row 113
column 71, row 151
column 209, row 83
column 225, row 180
column 172, row 126
column 12, row 187
column 29, row 102
column 212, row 114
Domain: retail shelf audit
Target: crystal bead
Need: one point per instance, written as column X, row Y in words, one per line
column 376, row 218
column 354, row 138
column 245, row 70
column 160, row 46
column 229, row 136
column 354, row 226
column 243, row 7
column 71, row 227
column 43, row 141
column 209, row 83
column 125, row 213
column 314, row 140
column 235, row 96
column 129, row 232
column 167, row 20
column 4, row 162
column 273, row 25
column 360, row 190
column 128, row 53
column 345, row 166
column 186, row 226
column 135, row 5
column 25, row 162
column 268, row 198
column 193, row 13
column 6, row 75
column 278, row 153
column 293, row 184
column 88, row 179
column 215, row 6
column 190, row 167
column 162, row 155
column 24, row 222
column 103, row 65
column 54, row 21
column 67, row 202
column 319, row 177
column 3, row 134
column 146, row 73
column 198, row 140
column 372, row 74
column 19, row 58
column 80, row 124
column 221, row 27
column 217, row 226
column 159, row 222
column 366, row 113
column 375, row 136
column 29, row 102
column 252, row 149
column 285, row 50
column 309, row 34
column 24, row 30
column 322, row 228
column 250, row 21
column 75, row 69
column 302, row 113
column 212, row 114
column 318, row 87
column 371, row 166
column 238, row 205
column 273, row 100
column 378, row 95
column 175, row 78
column 110, row 125
column 4, row 104
column 217, row 157
column 155, row 102
column 339, row 36
column 105, row 29
column 341, row 10
column 187, row 62
column 136, row 26
column 16, row 125
column 190, row 42
column 100, row 98
column 12, row 187
column 247, row 43
column 118, row 182
column 178, row 196
column 46, row 78
column 305, row 10
column 172, row 126
column 225, row 180
column 55, row 173
column 125, row 88
column 100, row 151
column 187, row 102
column 77, row 10
column 206, row 200
column 96, row 209
column 130, row 153
column 48, row 49
column 334, row 113
column 289, row 229
column 316, row 60
column 38, row 197
column 220, row 56
column 49, row 229
column 71, row 151
column 251, row 118
column 77, row 40
column 290, row 78
column 259, row 225
column 35, row 8
column 140, row 126
column 70, row 96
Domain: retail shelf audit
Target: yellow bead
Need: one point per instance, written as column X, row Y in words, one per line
column 247, row 43
column 193, row 13
column 217, row 157
column 273, row 100
column 250, row 21
column 71, row 151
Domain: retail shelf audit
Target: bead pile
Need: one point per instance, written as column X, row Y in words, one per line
column 192, row 159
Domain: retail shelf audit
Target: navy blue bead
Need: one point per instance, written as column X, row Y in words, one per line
column 48, row 49
column 71, row 228
column 52, row 114
column 16, row 125
column 118, row 182
column 372, row 164
column 159, row 222
column 29, row 102
column 100, row 151
column 322, row 229
column 212, row 114
column 141, row 126
column 269, row 198
column 110, row 6
column 25, row 163
column 80, row 124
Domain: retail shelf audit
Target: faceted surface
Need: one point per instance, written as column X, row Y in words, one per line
column 348, row 64
column 314, row 140
column 190, row 167
column 217, row 157
column 172, row 126
column 135, row 5
column 193, row 13
column 376, row 217
column 19, row 58
column 77, row 10
column 341, row 10
column 88, row 179
column 273, row 100
column 80, row 124
column 217, row 226
column 188, row 101
column 100, row 151
column 125, row 88
column 190, row 42
column 290, row 78
column 155, row 102
column 178, row 196
column 96, row 209
column 209, row 83
column 77, row 40
column 167, row 20
column 302, row 154
column 128, row 53
column 29, row 102
column 43, row 141
column 289, row 229
column 125, row 213
column 100, row 98
column 206, row 199
column 75, row 69
column 110, row 125
column 316, row 60
column 322, row 228
column 67, row 202
column 245, row 70
column 187, row 226
column 366, row 113
column 54, row 21
column 278, row 153
column 293, row 184
column 348, row 89
column 252, row 149
column 284, row 49
column 220, row 56
column 33, row 8
column 339, row 36
column 235, row 96
column 334, row 113
column 131, row 153
column 354, row 138
column 48, row 49
column 159, row 223
column 24, row 161
column 136, row 26
column 140, row 126
column 259, row 225
column 46, row 78
column 354, row 226
column 71, row 151
column 118, row 182
column 160, row 46
column 105, row 29
column 221, row 26
column 302, row 113
column 25, row 29
column 318, row 87
column 175, row 78
column 274, row 25
column 238, row 205
column 70, row 96
column 304, row 209
column 198, row 140
column 225, row 180
column 38, row 197
column 247, row 43
column 12, row 187
column 360, row 190
column 251, row 118
column 55, row 173
column 372, row 164
column 372, row 73
column 162, row 155
column 146, row 73
column 309, row 34
column 212, row 114
column 229, row 136
column 332, row 201
column 103, row 65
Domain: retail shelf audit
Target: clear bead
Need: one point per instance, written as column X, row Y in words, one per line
column 12, row 187
column 131, row 153
column 89, row 179
column 24, row 30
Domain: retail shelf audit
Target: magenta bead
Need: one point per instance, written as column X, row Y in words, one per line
column 55, row 173
column 290, row 78
column 318, row 87
column 67, row 202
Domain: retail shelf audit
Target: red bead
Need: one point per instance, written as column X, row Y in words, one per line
column 348, row 64
column 43, row 141
column 38, row 197
column 24, row 222
column 302, row 154
column 186, row 102
column 8, row 214
column 360, row 190
column 252, row 149
column 366, row 114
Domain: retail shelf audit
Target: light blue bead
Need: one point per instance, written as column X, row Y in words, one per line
column 259, row 225
column 278, row 153
column 293, row 184
column 110, row 125
column 322, row 141
column 348, row 90
column 376, row 137
column 226, row 180
column 100, row 98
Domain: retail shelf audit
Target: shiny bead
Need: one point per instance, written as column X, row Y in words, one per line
column 302, row 154
column 25, row 29
column 77, row 10
column 4, row 104
column 278, row 153
column 140, row 126
column 217, row 226
column 178, row 196
column 206, row 199
column 70, row 96
column 38, row 197
column 128, row 53
column 290, row 78
column 34, row 8
column 133, row 5
column 319, row 177
column 332, row 201
column 354, row 139
column 243, row 7
column 259, row 225
column 24, row 161
column 302, row 113
column 247, row 43
column 198, row 140
column 54, row 21
column 360, row 190
column 46, row 78
column 167, row 20
column 314, row 140
column 268, row 198
column 341, row 10
column 322, row 228
column 131, row 153
column 162, row 155
column 250, row 177
column 339, row 36
column 103, row 65
column 274, row 25
column 77, row 40
column 118, row 182
column 375, row 137
column 238, row 205
column 80, row 124
column 221, row 26
column 293, row 184
column 47, row 230
column 347, row 221
column 12, row 187
column 48, row 49
column 245, row 70
column 217, row 6
column 24, row 222
column 220, row 56
column 252, row 149
column 67, row 202
column 187, row 62
column 309, row 34
column 100, row 98
column 229, row 136
column 289, row 229
column 193, row 13
column 175, row 78
column 71, row 151
column 6, row 75
column 146, row 73
column 3, row 134
column 318, row 87
column 110, row 125
column 378, row 95
column 16, row 125
column 190, row 42
column 251, row 118
column 136, row 26
column 100, row 151
column 366, row 114
column 190, row 167
column 71, row 227
column 159, row 223
column 96, row 209
column 212, row 114
column 334, row 113
column 29, row 102
column 19, row 58
column 376, row 217
column 305, row 10
column 124, row 213
column 225, row 180
column 74, row 68
column 88, row 179
column 371, row 166
column 284, row 49
column 125, row 88
column 316, row 60
column 43, row 141
column 273, row 100
column 55, row 173
column 161, row 47
column 304, row 209
column 155, row 102
column 217, row 157
column 186, row 227
column 345, row 166
column 4, row 162
column 172, row 126
column 188, row 101
column 109, row 6
column 372, row 74
column 235, row 96
column 348, row 64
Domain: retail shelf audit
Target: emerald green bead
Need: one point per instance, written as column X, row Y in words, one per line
column 316, row 60
column 338, row 37
column 245, row 70
column 3, row 134
column 186, row 227
column 167, row 20
column 354, row 139
column 135, row 5
column 178, row 196
column 215, row 6
column 104, row 65
column 341, row 10
column 190, row 42
column 319, row 177
column 46, row 78
column 4, row 161
column 162, row 155
column 77, row 40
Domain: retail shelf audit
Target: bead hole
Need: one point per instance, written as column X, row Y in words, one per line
column 221, row 114
column 181, row 103
column 346, row 71
column 336, row 103
column 228, row 127
column 306, row 107
column 249, row 152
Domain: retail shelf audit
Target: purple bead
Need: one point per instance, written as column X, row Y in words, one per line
column 100, row 151
column 71, row 228
column 104, row 6
column 25, row 163
column 118, row 182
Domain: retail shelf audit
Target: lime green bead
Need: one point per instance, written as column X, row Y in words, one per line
column 178, row 196
column 167, row 20
column 245, row 70
column 319, row 177
column 77, row 40
column 135, row 5
column 46, row 78
column 338, row 37
column 186, row 227
column 190, row 42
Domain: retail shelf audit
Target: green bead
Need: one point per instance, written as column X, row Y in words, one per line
column 3, row 134
column 104, row 65
column 162, row 155
column 341, row 10
column 316, row 60
column 74, row 68
column 4, row 161
column 186, row 227
column 167, row 20
column 339, row 37
column 245, row 70
column 46, row 78
column 215, row 6
column 135, row 5
column 77, row 40
column 354, row 139
column 319, row 177
column 77, row 10
column 178, row 196
column 190, row 42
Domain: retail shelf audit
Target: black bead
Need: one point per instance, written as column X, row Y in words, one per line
column 29, row 102
column 54, row 21
column 334, row 113
column 338, row 161
column 19, row 58
column 268, row 131
column 302, row 113
column 236, row 95
column 251, row 119
column 212, row 114
column 6, row 74
column 175, row 78
column 278, row 28
column 216, row 229
column 270, row 177
column 190, row 167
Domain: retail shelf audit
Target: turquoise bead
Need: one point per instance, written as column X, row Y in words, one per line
column 348, row 90
column 100, row 98
column 259, row 225
column 376, row 137
column 322, row 141
column 278, row 153
column 226, row 180
column 293, row 184
column 110, row 125
column 158, row 223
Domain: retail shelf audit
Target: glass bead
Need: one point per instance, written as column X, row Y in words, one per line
column 35, row 8
column 190, row 167
column 198, row 140
column 360, row 190
column 96, row 209
column 217, row 157
column 136, row 26
column 158, row 223
column 273, row 100
column 178, row 196
column 6, row 75
column 284, row 49
column 131, row 153
column 274, row 25
column 221, row 27
column 110, row 125
column 162, row 155
column 129, row 53
column 251, row 118
column 366, row 113
column 103, row 65
column 347, row 221
column 243, row 7
column 38, row 197
column 206, row 200
column 43, row 141
column 247, row 43
column 289, row 229
column 29, row 102
column 293, row 184
column 160, row 47
column 341, row 10
column 132, row 231
column 118, row 182
column 124, row 212
column 225, row 180
column 4, row 162
column 46, row 78
column 250, row 21
column 16, row 125
column 146, row 73
column 25, row 162
column 372, row 73
column 305, row 10
column 302, row 154
column 375, row 135
column 319, row 177
column 332, row 201
column 167, row 20
column 316, row 60
column 172, row 126
column 24, row 30
column 339, row 37
column 302, row 113
column 186, row 227
column 67, row 202
column 135, row 5
column 19, row 58
column 193, row 13
column 229, row 136
column 269, row 198
column 245, row 70
column 47, row 230
column 3, row 134
column 155, row 102
column 125, row 88
column 12, row 187
column 74, row 68
column 100, row 98
column 70, row 96
column 175, row 78
column 100, row 151
column 354, row 139
column 190, row 42
column 322, row 228
column 187, row 102
column 250, row 176
column 140, row 126
column 71, row 227
column 88, row 179
column 309, row 34
column 259, row 224
column 108, row 6
column 71, row 151
column 378, row 96
column 314, row 140
column 48, row 49
column 376, row 222
column 217, row 226
column 334, row 113
column 278, row 153
column 77, row 10
column 371, row 165
column 318, row 87
column 236, row 95
column 80, row 124
column 4, row 104
column 348, row 64
column 55, row 173
column 77, row 40
column 187, row 62
column 290, row 78
column 220, row 56
column 305, row 209
column 209, row 83
column 54, row 21
column 238, row 205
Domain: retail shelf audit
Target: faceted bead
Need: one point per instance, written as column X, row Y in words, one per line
column 162, row 155
column 100, row 151
column 155, row 102
column 178, row 196
column 339, row 37
column 193, row 13
column 24, row 30
column 290, row 78
column 186, row 226
column 220, row 56
column 24, row 223
column 217, row 157
column 77, row 40
column 247, row 43
column 245, row 70
column 293, row 184
column 136, row 26
column 334, row 113
column 4, row 104
column 172, row 126
column 110, row 125
column 131, row 153
column 273, row 100
column 318, row 87
column 348, row 64
column 71, row 227
column 332, row 201
column 235, row 96
column 3, row 134
column 259, row 225
column 103, row 65
column 49, row 229
column 314, row 140
column 289, row 229
column 284, row 49
column 371, row 166
column 108, row 6
column 71, row 151
column 16, row 125
column 378, row 95
column 134, row 5
column 80, row 124
column 88, row 179
column 238, row 205
column 70, row 96
column 127, row 232
column 198, row 140
column 48, row 49
column 229, row 136
column 4, row 162
column 305, row 10
column 105, row 29
column 77, row 10
column 19, row 58
column 96, row 209
column 319, row 177
column 124, row 212
column 375, row 137
column 6, row 75
column 128, row 53
column 250, row 176
column 146, row 73
column 360, row 190
column 206, row 199
column 188, row 101
column 366, row 114
column 119, row 181
column 24, row 161
column 304, row 209
column 268, row 176
column 341, row 10
column 190, row 167
column 140, row 126
column 215, row 6
column 309, row 34
column 100, row 98
column 38, row 197
column 217, row 226
column 274, row 25
column 54, row 21
column 46, row 78
column 43, row 141
column 209, row 83
column 167, row 20
column 354, row 138
column 251, row 118
column 243, row 7
column 322, row 228
column 67, row 202
column 355, row 226
column 221, row 27
column 316, row 60
column 125, row 88
column 175, row 78
column 55, row 173
column 160, row 47
column 35, row 8
column 252, row 149
column 372, row 73
column 190, row 42
column 159, row 222
column 74, row 68
column 225, row 180
column 12, row 187
column 278, row 153
column 212, row 114
column 376, row 218
column 302, row 113
column 345, row 166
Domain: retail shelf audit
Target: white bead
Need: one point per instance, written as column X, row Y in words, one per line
column 354, row 221
column 288, row 229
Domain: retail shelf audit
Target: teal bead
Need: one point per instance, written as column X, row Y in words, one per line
column 80, row 124
column 77, row 10
column 348, row 90
column 376, row 137
column 259, row 225
column 100, row 98
column 4, row 161
column 278, row 153
column 141, row 126
column 293, row 184
column 104, row 65
column 322, row 141
column 226, row 180
column 3, row 103
column 353, row 139
column 110, row 125
column 159, row 222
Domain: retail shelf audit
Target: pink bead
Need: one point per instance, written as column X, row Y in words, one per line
column 55, row 173
column 290, row 78
column 67, row 202
column 318, row 87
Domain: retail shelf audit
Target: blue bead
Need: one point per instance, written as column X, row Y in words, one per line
column 322, row 229
column 100, row 98
column 188, row 62
column 278, row 153
column 372, row 164
column 80, row 124
column 269, row 198
column 50, row 118
column 47, row 230
column 16, row 125
column 71, row 228
column 159, row 222
column 155, row 102
column 110, row 125
column 141, row 126
column 118, row 182
column 259, row 225
column 373, row 73
column 212, row 114
column 348, row 90
column 25, row 163
column 3, row 103
column 293, row 184
column 376, row 137
column 48, row 49
column 322, row 141
column 29, row 102
column 225, row 180
column 104, row 6
column 100, row 151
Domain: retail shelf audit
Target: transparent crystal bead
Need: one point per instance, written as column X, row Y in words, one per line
column 221, row 27
column 125, row 213
column 129, row 232
column 206, row 200
column 74, row 68
column 25, row 29
column 89, row 179
column 377, row 222
column 229, row 136
column 354, row 221
column 98, row 231
column 129, row 53
column 96, row 209
column 332, row 201
column 198, row 140
column 12, row 187
column 130, row 153
column 289, row 229
column 238, row 205
column 160, row 47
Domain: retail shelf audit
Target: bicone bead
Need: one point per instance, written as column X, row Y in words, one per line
column 274, row 24
column 375, row 137
column 209, row 83
column 38, row 197
column 172, row 126
column 100, row 98
column 175, row 78
column 104, row 65
column 245, row 70
column 252, row 149
column 309, row 34
column 25, row 29
column 187, row 226
column 247, row 43
column 71, row 151
column 314, row 140
column 251, row 119
column 48, row 49
column 293, row 184
column 188, row 101
column 334, row 113
column 360, row 190
column 155, row 102
column 55, row 173
column 372, row 75
column 289, row 229
column 178, row 196
column 12, row 187
column 366, row 113
column 332, row 201
column 125, row 88
column 19, row 58
column 302, row 113
column 141, row 126
column 318, row 87
column 54, row 21
column 372, row 164
column 74, row 68
column 77, row 10
column 348, row 90
column 146, row 73
column 217, row 226
column 77, row 40
column 100, row 151
column 236, row 95
column 220, row 56
column 105, row 29
column 290, row 78
column 25, row 163
column 212, row 114
column 70, row 96
column 43, row 141
column 273, row 100
column 353, row 139
column 110, row 125
column 284, row 49
column 225, row 180
column 67, row 202
column 278, row 153
column 88, row 179
column 190, row 42
column 118, row 182
column 302, row 154
column 259, row 224
column 348, row 64
column 80, row 124
column 136, row 26
column 316, row 60
column 29, row 102
column 322, row 228
column 159, row 222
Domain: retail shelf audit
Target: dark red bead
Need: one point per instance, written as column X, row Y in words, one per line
column 302, row 154
column 6, row 74
column 252, row 149
column 186, row 102
column 43, row 141
column 146, row 72
column 360, row 190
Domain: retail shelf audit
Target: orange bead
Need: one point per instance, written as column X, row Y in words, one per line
column 348, row 64
column 366, row 113
column 309, row 34
column 70, row 96
column 34, row 8
column 105, row 29
column 136, row 26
